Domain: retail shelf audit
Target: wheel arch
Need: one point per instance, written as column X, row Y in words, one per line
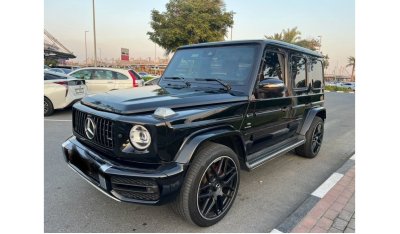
column 309, row 117
column 226, row 136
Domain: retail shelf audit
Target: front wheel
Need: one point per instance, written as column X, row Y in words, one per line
column 210, row 186
column 314, row 137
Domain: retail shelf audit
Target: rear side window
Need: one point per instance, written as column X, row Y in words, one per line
column 298, row 68
column 48, row 76
column 120, row 76
column 315, row 74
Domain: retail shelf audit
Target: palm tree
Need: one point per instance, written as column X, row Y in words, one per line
column 292, row 35
column 351, row 62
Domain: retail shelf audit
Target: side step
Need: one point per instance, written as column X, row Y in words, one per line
column 257, row 159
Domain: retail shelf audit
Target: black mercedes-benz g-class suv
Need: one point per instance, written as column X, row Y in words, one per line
column 218, row 108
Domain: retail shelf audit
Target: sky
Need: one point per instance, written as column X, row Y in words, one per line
column 124, row 24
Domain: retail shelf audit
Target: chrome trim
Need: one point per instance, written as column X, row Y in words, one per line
column 298, row 106
column 274, row 155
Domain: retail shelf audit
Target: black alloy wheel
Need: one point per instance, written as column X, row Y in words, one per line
column 313, row 137
column 317, row 137
column 210, row 185
column 217, row 186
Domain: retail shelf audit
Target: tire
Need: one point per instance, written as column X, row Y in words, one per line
column 210, row 186
column 48, row 107
column 314, row 137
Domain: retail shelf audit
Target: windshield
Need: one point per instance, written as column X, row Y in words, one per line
column 232, row 64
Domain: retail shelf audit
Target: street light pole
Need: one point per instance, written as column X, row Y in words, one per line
column 86, row 47
column 94, row 36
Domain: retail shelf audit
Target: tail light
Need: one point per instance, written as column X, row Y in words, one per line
column 134, row 79
column 65, row 84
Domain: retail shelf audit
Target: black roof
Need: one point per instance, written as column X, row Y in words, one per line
column 262, row 42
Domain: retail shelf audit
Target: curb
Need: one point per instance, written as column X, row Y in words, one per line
column 295, row 217
column 327, row 91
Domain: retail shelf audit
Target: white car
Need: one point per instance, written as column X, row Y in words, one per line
column 348, row 85
column 102, row 79
column 61, row 91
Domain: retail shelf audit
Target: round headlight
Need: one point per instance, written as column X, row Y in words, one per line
column 140, row 137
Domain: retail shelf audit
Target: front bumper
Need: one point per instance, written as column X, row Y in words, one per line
column 122, row 183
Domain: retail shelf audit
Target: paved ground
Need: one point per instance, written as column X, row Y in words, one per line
column 266, row 196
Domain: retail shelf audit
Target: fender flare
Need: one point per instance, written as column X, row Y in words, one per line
column 193, row 141
column 309, row 117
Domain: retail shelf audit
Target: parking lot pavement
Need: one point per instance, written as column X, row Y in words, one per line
column 266, row 195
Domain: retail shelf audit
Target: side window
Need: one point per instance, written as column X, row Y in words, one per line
column 315, row 74
column 271, row 80
column 102, row 75
column 298, row 71
column 274, row 66
column 52, row 77
column 84, row 74
column 120, row 76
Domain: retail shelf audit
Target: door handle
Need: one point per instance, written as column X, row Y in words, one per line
column 284, row 109
column 110, row 82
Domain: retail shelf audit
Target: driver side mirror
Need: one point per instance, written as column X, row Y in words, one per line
column 271, row 87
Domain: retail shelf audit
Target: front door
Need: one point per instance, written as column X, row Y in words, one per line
column 267, row 121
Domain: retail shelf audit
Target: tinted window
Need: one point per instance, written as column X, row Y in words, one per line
column 229, row 63
column 83, row 74
column 48, row 76
column 274, row 66
column 315, row 74
column 120, row 76
column 102, row 75
column 298, row 69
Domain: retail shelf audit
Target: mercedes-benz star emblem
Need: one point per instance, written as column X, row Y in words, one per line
column 90, row 128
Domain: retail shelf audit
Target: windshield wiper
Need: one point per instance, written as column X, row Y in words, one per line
column 187, row 83
column 223, row 83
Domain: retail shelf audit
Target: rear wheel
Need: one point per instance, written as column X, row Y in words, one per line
column 210, row 186
column 48, row 107
column 314, row 137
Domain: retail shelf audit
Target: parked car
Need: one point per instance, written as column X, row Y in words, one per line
column 60, row 70
column 144, row 74
column 348, row 85
column 219, row 107
column 153, row 81
column 101, row 79
column 61, row 91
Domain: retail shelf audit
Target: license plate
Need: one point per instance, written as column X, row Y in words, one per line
column 79, row 90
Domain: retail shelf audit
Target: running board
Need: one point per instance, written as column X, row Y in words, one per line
column 271, row 154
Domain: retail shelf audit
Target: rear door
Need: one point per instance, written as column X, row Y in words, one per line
column 102, row 81
column 122, row 81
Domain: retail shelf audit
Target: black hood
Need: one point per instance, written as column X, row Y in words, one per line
column 149, row 98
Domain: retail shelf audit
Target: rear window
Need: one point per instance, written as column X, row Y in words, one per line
column 48, row 76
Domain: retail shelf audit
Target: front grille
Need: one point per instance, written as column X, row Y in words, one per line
column 103, row 135
column 135, row 188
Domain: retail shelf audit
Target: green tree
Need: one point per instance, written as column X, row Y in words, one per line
column 189, row 22
column 351, row 63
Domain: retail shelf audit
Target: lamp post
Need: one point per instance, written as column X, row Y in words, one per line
column 94, row 36
column 86, row 47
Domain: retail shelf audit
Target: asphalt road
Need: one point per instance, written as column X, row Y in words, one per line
column 266, row 195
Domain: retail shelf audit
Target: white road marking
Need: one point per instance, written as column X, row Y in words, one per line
column 327, row 185
column 58, row 120
column 339, row 92
column 353, row 157
column 275, row 231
